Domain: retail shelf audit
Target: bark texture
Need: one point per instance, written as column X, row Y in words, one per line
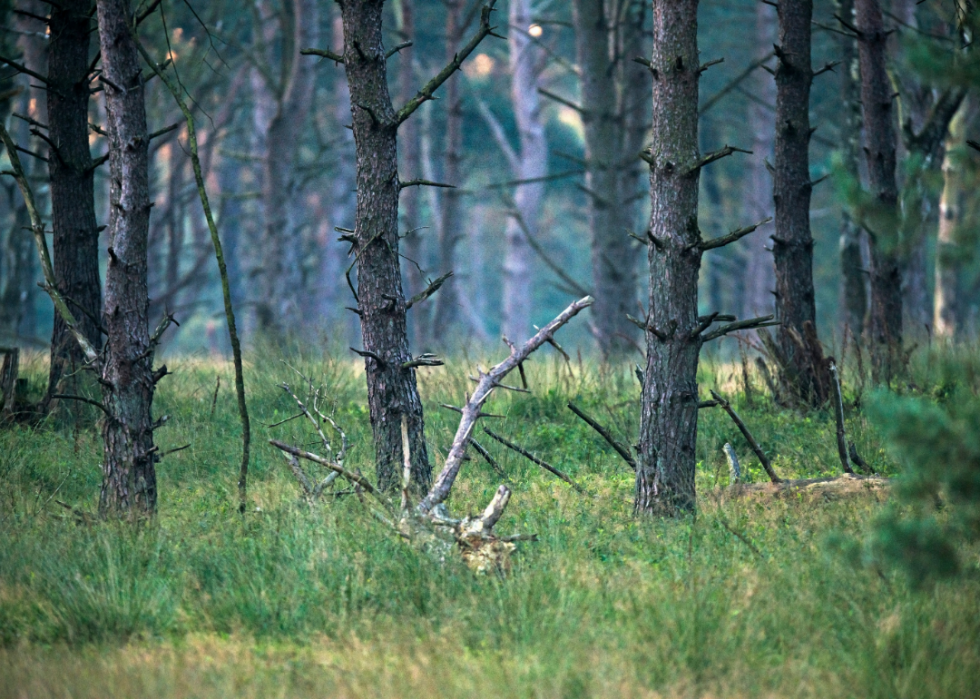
column 760, row 281
column 532, row 163
column 280, row 306
column 885, row 327
column 76, row 235
column 129, row 475
column 609, row 97
column 392, row 389
column 853, row 288
column 669, row 417
column 792, row 242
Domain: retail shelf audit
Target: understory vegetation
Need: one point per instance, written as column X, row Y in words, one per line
column 756, row 596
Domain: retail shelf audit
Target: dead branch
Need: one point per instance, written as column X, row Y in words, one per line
column 432, row 288
column 766, row 464
column 856, row 458
column 714, row 156
column 750, row 324
column 423, row 360
column 734, row 468
column 738, row 80
column 471, row 411
column 424, row 183
column 324, row 53
column 488, row 458
column 733, row 236
column 605, row 434
column 443, row 75
column 839, row 418
column 540, row 462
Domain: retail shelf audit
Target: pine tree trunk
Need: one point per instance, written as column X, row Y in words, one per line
column 886, row 278
column 792, row 242
column 947, row 309
column 279, row 309
column 853, row 286
column 451, row 231
column 76, row 235
column 392, row 390
column 759, row 279
column 613, row 265
column 669, row 417
column 129, row 476
column 533, row 163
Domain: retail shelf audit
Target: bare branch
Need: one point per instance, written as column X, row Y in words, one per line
column 733, row 236
column 606, row 435
column 540, row 462
column 324, row 53
column 750, row 324
column 561, row 100
column 424, row 183
column 766, row 464
column 428, row 291
column 714, row 156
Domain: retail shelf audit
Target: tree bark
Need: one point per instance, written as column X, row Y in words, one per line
column 760, row 280
column 853, row 285
column 669, row 412
column 947, row 309
column 129, row 476
column 601, row 56
column 525, row 58
column 451, row 231
column 392, row 390
column 886, row 278
column 792, row 242
column 280, row 307
column 76, row 234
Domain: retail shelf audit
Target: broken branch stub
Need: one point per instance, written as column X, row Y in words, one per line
column 485, row 386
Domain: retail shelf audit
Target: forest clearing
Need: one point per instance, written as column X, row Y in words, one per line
column 529, row 348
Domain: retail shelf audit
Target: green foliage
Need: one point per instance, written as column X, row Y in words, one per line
column 938, row 493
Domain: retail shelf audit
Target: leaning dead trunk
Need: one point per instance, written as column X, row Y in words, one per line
column 129, row 476
column 669, row 417
column 792, row 242
column 525, row 59
column 70, row 167
column 947, row 298
column 886, row 278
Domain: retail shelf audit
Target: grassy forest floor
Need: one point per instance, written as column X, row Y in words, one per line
column 753, row 598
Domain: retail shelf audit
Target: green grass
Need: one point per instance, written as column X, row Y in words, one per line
column 292, row 602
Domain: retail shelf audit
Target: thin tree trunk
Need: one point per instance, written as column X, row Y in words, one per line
column 76, row 235
column 792, row 242
column 451, row 231
column 853, row 291
column 129, row 475
column 886, row 278
column 603, row 113
column 947, row 309
column 669, row 411
column 280, row 308
column 760, row 280
column 392, row 389
column 525, row 58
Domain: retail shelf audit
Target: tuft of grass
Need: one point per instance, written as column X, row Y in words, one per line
column 748, row 599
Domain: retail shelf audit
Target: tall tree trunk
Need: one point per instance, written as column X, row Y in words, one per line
column 280, row 308
column 613, row 269
column 948, row 251
column 853, row 287
column 129, row 475
column 886, row 278
column 392, row 389
column 669, row 412
column 451, row 231
column 525, row 58
column 760, row 280
column 792, row 242
column 410, row 158
column 76, row 234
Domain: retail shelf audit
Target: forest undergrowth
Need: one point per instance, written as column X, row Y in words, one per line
column 754, row 597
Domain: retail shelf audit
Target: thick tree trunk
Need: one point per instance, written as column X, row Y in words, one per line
column 669, row 417
column 129, row 475
column 853, row 284
column 759, row 278
column 792, row 242
column 76, row 235
column 947, row 309
column 886, row 278
column 280, row 308
column 451, row 231
column 599, row 55
column 392, row 389
column 525, row 58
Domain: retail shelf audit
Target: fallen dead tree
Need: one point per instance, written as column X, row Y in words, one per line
column 428, row 523
column 811, row 489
